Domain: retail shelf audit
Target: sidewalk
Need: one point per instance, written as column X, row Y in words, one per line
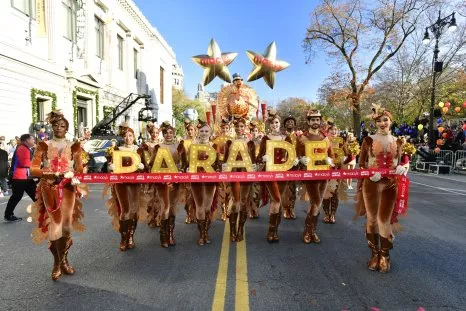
column 452, row 177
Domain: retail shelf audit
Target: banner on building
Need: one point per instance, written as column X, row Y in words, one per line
column 40, row 16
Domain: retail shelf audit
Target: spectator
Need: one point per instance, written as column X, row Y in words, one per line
column 21, row 181
column 11, row 148
column 3, row 173
column 2, row 143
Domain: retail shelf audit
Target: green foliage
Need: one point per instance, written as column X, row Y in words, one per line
column 181, row 102
column 34, row 93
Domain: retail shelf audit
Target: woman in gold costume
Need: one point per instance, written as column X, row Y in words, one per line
column 57, row 209
column 376, row 194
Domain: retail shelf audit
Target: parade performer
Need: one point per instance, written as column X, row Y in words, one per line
column 290, row 194
column 377, row 195
column 57, row 209
column 332, row 194
column 240, row 191
column 350, row 161
column 315, row 188
column 153, row 205
column 275, row 188
column 203, row 193
column 124, row 205
column 189, row 206
column 169, row 193
column 224, row 189
column 255, row 192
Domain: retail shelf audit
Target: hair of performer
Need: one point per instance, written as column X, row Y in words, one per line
column 190, row 137
column 203, row 193
column 381, row 150
column 223, row 187
column 56, row 195
column 255, row 193
column 169, row 193
column 274, row 188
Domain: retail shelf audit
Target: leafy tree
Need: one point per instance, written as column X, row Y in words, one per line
column 362, row 37
column 180, row 103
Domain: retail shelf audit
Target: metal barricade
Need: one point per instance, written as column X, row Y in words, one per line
column 444, row 157
column 460, row 161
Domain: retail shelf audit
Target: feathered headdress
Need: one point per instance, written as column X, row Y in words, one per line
column 165, row 126
column 378, row 111
column 313, row 113
column 201, row 124
column 239, row 119
column 188, row 123
column 123, row 129
column 225, row 121
column 55, row 116
column 272, row 115
column 290, row 117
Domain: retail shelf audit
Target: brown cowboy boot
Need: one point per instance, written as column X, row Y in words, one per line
column 386, row 244
column 133, row 223
column 201, row 223
column 310, row 234
column 232, row 218
column 274, row 220
column 242, row 220
column 124, row 224
column 187, row 220
column 224, row 212
column 333, row 208
column 164, row 233
column 208, row 220
column 65, row 266
column 373, row 243
column 292, row 213
column 326, row 208
column 56, row 271
column 286, row 212
column 171, row 228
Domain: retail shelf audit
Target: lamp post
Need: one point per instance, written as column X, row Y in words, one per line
column 437, row 29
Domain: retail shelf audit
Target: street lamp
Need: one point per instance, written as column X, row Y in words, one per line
column 437, row 29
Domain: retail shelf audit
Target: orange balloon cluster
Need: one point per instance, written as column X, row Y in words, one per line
column 439, row 142
column 445, row 109
column 440, row 129
column 457, row 109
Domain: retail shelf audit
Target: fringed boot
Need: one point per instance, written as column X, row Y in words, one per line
column 272, row 234
column 326, row 208
column 243, row 215
column 333, row 207
column 373, row 243
column 310, row 227
column 124, row 229
column 65, row 266
column 164, row 233
column 233, row 218
column 201, row 224
column 171, row 229
column 386, row 244
column 208, row 219
column 133, row 223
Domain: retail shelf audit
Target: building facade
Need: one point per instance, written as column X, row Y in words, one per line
column 83, row 57
column 178, row 77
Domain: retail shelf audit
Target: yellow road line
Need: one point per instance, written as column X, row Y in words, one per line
column 222, row 274
column 242, row 288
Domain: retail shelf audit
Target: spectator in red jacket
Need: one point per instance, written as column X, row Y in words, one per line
column 21, row 181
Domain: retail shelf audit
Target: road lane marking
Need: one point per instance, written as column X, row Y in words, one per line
column 242, row 286
column 438, row 188
column 222, row 274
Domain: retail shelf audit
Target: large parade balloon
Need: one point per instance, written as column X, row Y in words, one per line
column 266, row 65
column 215, row 63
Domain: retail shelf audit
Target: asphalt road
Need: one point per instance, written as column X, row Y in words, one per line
column 428, row 263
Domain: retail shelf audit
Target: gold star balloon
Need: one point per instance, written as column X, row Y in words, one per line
column 215, row 63
column 266, row 65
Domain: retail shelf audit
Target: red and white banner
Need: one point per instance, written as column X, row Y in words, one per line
column 228, row 177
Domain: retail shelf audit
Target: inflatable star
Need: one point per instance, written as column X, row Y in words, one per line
column 266, row 65
column 215, row 63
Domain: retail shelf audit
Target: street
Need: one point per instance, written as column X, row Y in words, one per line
column 427, row 273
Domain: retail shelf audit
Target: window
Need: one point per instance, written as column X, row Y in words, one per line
column 99, row 37
column 82, row 115
column 135, row 63
column 28, row 7
column 161, row 84
column 69, row 20
column 120, row 52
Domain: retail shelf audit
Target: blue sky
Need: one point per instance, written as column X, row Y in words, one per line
column 237, row 26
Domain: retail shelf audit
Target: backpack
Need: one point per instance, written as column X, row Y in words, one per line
column 11, row 170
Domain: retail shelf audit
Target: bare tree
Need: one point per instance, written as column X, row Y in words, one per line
column 362, row 36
